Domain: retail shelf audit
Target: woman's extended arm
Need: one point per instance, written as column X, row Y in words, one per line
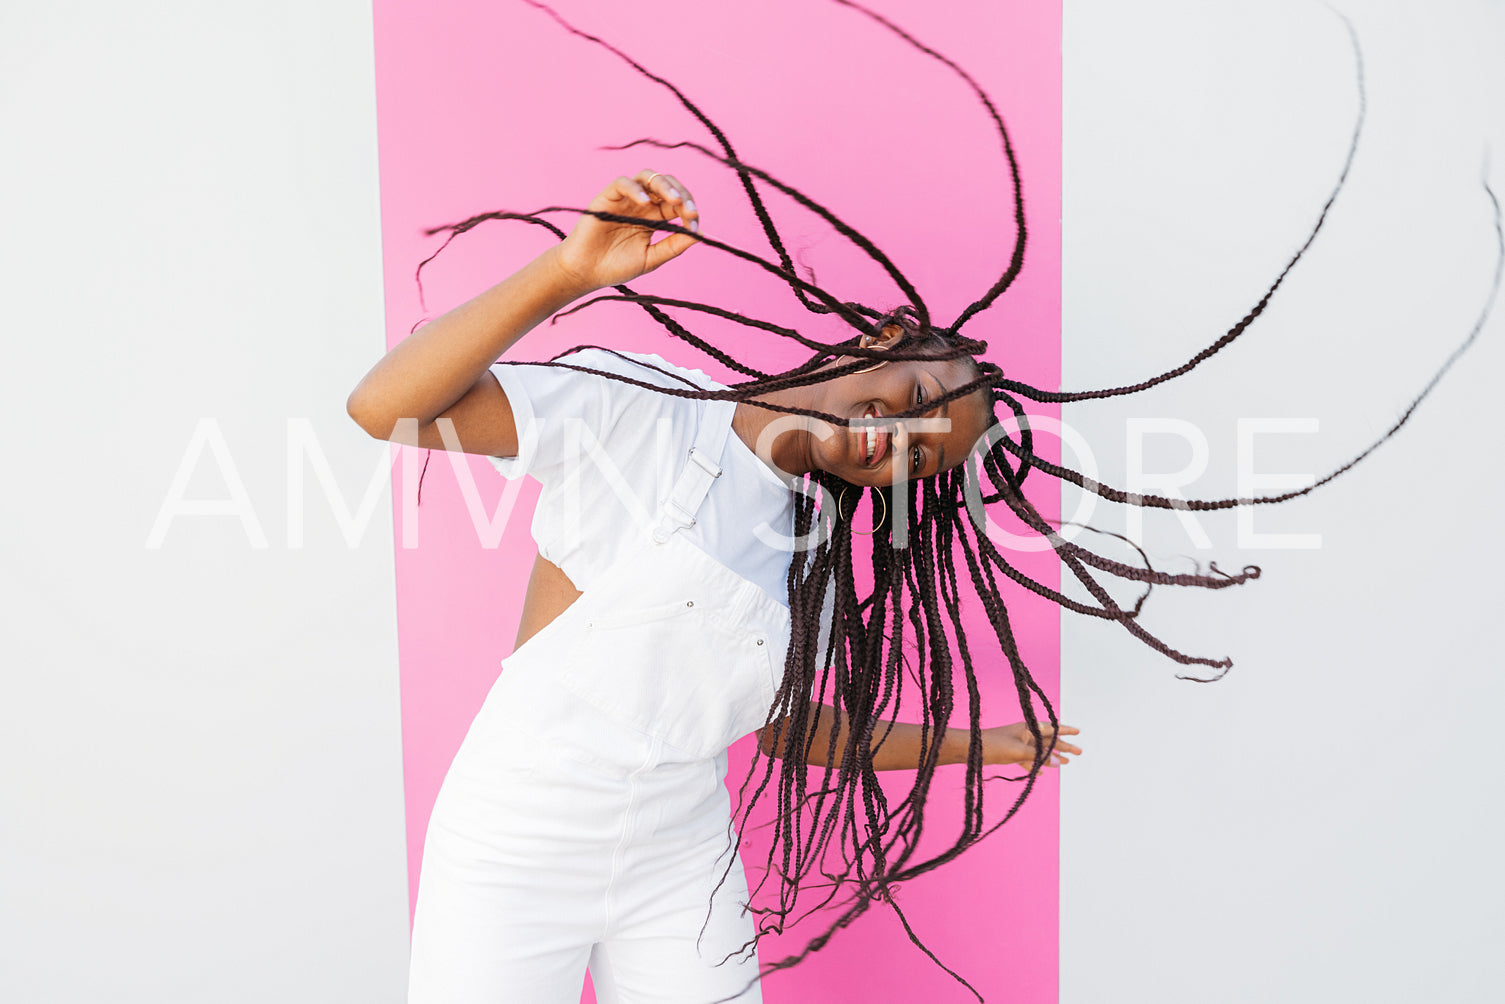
column 441, row 370
column 899, row 744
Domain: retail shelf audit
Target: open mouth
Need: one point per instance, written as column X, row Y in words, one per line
column 872, row 442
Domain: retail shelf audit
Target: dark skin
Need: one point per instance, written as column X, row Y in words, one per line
column 435, row 390
column 899, row 452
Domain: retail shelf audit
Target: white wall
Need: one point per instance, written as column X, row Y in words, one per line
column 1323, row 824
column 200, row 775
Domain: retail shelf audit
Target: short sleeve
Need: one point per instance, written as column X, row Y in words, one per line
column 546, row 401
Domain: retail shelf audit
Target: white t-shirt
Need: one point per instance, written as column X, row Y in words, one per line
column 606, row 452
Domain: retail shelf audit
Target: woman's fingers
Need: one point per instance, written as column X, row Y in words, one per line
column 689, row 213
column 661, row 185
column 683, row 203
column 633, row 190
column 673, row 198
column 1061, row 745
column 1013, row 744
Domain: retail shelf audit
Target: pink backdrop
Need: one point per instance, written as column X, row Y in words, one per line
column 488, row 104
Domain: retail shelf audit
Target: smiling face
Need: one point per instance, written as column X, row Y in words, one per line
column 879, row 454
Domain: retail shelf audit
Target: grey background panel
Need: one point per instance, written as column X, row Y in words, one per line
column 200, row 764
column 1322, row 824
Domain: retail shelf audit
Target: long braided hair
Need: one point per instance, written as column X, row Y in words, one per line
column 855, row 648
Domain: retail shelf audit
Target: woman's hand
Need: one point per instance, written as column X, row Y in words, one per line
column 600, row 253
column 1012, row 744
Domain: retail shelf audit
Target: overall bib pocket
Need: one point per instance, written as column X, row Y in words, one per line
column 663, row 648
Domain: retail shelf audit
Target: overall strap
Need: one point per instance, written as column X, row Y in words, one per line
column 678, row 510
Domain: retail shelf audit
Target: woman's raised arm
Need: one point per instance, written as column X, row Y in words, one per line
column 441, row 370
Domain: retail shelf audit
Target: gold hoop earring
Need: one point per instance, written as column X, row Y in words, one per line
column 879, row 365
column 841, row 501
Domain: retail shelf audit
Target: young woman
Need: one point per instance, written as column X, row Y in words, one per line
column 584, row 820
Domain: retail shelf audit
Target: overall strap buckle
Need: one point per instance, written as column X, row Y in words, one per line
column 694, row 481
column 679, row 513
column 704, row 462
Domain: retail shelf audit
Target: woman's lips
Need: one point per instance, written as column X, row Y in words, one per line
column 871, row 437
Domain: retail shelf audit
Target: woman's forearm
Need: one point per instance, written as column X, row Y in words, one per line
column 427, row 372
column 895, row 745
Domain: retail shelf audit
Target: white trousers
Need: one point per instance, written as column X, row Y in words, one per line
column 584, row 821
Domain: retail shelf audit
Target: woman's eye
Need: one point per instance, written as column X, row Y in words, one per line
column 919, row 394
column 915, row 462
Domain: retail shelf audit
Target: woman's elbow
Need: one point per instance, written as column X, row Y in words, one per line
column 372, row 419
column 355, row 408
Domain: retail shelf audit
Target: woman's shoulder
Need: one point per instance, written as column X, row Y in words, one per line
column 645, row 367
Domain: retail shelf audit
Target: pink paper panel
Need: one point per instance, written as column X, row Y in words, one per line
column 489, row 104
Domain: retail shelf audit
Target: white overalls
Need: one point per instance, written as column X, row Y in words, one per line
column 584, row 819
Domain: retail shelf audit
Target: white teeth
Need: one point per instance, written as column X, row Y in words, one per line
column 872, row 442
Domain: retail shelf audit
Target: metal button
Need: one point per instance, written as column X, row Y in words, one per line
column 760, row 641
column 689, row 603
